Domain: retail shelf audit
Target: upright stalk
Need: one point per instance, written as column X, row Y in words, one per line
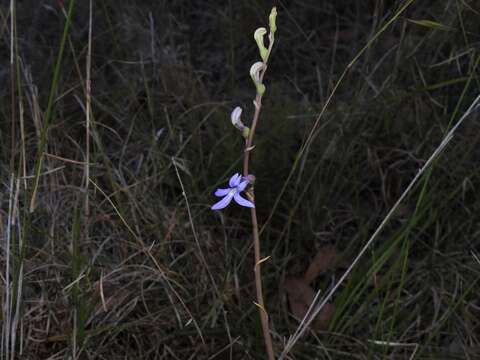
column 253, row 212
column 238, row 183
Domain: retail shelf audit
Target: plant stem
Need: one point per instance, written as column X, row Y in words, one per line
column 256, row 237
column 258, row 285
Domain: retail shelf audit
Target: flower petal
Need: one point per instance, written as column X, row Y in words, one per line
column 242, row 201
column 242, row 186
column 224, row 202
column 222, row 192
column 235, row 180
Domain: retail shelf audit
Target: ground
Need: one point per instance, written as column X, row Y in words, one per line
column 109, row 247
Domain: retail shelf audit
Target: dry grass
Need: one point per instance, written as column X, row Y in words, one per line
column 110, row 265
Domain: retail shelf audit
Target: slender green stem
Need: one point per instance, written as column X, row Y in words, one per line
column 51, row 99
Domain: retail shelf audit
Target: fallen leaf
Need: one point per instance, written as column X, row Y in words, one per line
column 323, row 318
column 325, row 259
column 300, row 295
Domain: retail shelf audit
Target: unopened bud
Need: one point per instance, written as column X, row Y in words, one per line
column 235, row 116
column 255, row 71
column 272, row 20
column 258, row 36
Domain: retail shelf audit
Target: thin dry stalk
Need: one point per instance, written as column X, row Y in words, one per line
column 13, row 105
column 88, row 105
column 253, row 213
column 16, row 313
column 7, row 303
column 10, row 315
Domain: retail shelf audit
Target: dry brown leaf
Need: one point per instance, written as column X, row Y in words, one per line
column 300, row 295
column 323, row 318
column 325, row 259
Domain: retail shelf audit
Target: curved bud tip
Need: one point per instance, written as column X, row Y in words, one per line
column 255, row 71
column 235, row 116
column 259, row 33
column 258, row 36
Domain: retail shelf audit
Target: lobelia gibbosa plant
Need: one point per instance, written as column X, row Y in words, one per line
column 245, row 182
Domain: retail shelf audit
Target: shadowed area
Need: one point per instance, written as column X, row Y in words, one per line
column 119, row 262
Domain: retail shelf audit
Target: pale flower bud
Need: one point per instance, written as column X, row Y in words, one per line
column 255, row 71
column 258, row 36
column 235, row 116
column 255, row 74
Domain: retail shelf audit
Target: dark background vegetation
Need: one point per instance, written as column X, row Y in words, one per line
column 136, row 280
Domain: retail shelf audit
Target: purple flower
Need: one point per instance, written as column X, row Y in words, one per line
column 237, row 184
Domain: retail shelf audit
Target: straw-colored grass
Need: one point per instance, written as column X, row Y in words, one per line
column 115, row 130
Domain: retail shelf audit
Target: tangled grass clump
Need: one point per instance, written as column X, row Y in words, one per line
column 115, row 121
